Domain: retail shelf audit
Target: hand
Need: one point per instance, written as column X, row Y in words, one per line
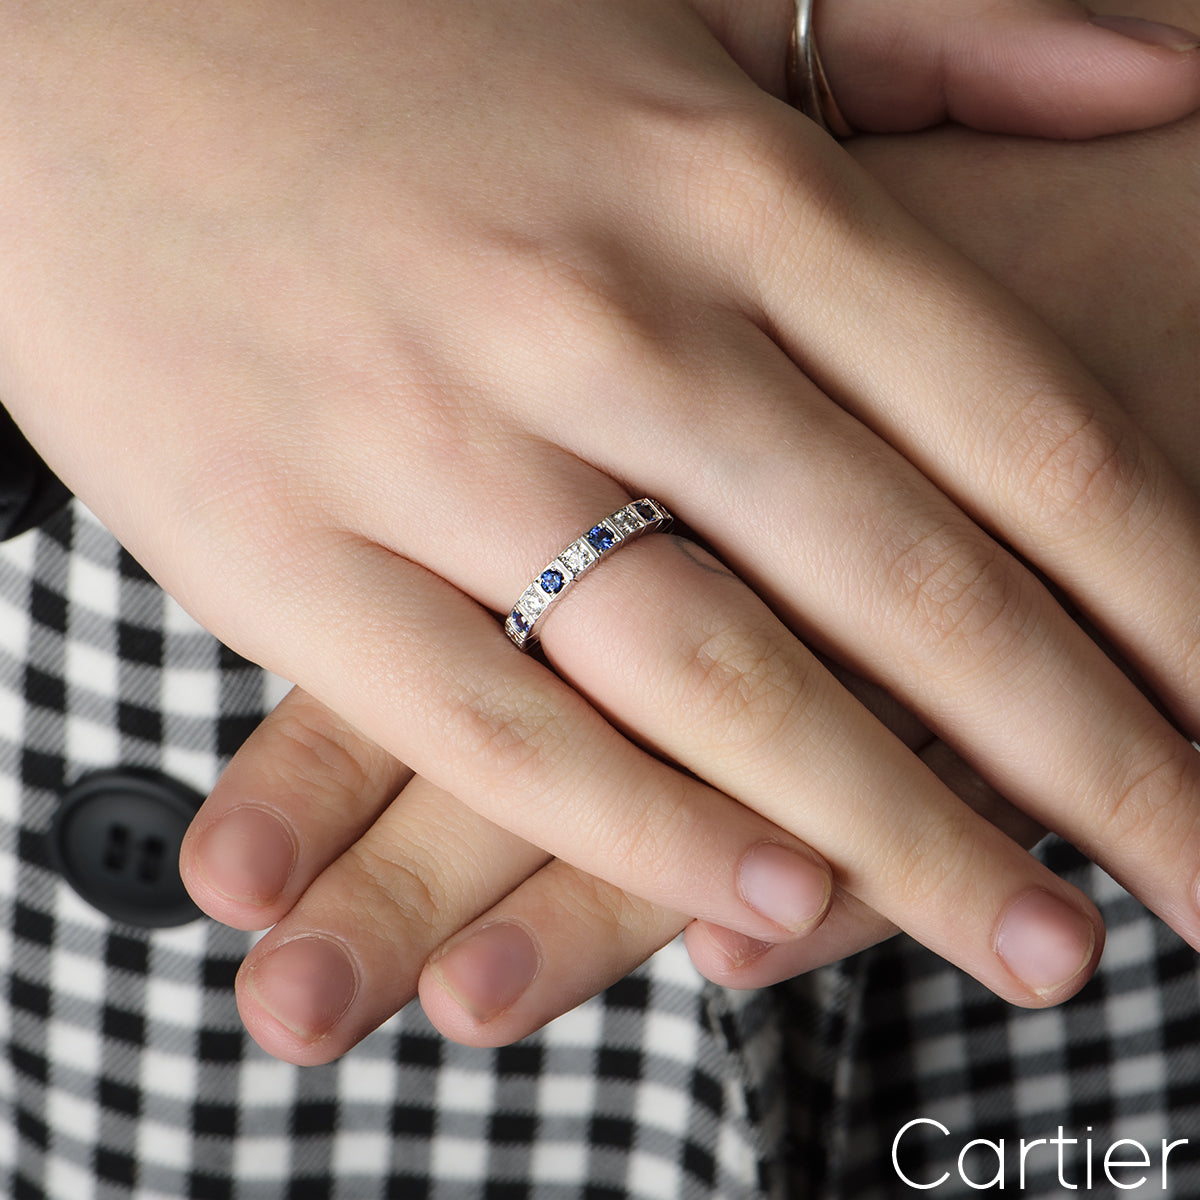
column 300, row 829
column 352, row 437
column 368, row 874
column 426, row 866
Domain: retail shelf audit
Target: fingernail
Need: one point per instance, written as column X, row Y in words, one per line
column 489, row 970
column 306, row 985
column 1044, row 941
column 783, row 886
column 248, row 855
column 1152, row 33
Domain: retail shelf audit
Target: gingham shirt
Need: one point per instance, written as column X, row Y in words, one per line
column 126, row 1072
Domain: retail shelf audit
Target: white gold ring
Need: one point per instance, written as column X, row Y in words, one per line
column 808, row 88
column 626, row 525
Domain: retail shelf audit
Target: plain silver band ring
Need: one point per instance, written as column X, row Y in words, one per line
column 626, row 525
column 808, row 87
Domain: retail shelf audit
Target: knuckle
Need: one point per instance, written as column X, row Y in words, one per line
column 739, row 173
column 328, row 763
column 1076, row 469
column 956, row 591
column 404, row 897
column 611, row 312
column 511, row 732
column 783, row 192
column 1154, row 793
column 741, row 683
column 587, row 902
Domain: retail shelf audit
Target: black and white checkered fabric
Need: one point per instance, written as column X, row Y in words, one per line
column 902, row 1037
column 125, row 1071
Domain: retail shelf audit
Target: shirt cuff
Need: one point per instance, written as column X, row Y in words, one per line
column 29, row 491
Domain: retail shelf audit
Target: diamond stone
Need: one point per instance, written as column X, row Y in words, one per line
column 533, row 603
column 627, row 521
column 578, row 556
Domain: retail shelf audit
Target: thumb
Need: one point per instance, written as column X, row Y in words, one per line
column 1048, row 68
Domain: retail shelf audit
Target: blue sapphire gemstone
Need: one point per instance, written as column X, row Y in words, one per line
column 645, row 511
column 552, row 582
column 602, row 538
column 519, row 623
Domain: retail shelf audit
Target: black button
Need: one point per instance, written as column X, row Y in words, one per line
column 116, row 840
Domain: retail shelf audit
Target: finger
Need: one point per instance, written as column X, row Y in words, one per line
column 300, row 791
column 428, row 867
column 521, row 747
column 519, row 965
column 348, row 954
column 366, row 904
column 903, row 591
column 1049, row 68
column 723, row 688
column 899, row 584
column 1071, row 483
column 307, row 780
column 309, row 819
column 728, row 692
column 472, row 992
column 734, row 960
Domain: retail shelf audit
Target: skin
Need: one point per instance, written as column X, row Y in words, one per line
column 414, row 871
column 427, row 863
column 335, row 419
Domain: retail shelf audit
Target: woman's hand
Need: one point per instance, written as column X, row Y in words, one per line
column 1050, row 68
column 300, row 829
column 347, row 325
column 380, row 885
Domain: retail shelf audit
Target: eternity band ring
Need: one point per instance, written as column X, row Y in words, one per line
column 626, row 525
column 808, row 88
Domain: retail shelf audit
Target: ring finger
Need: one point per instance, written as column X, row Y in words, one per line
column 722, row 688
